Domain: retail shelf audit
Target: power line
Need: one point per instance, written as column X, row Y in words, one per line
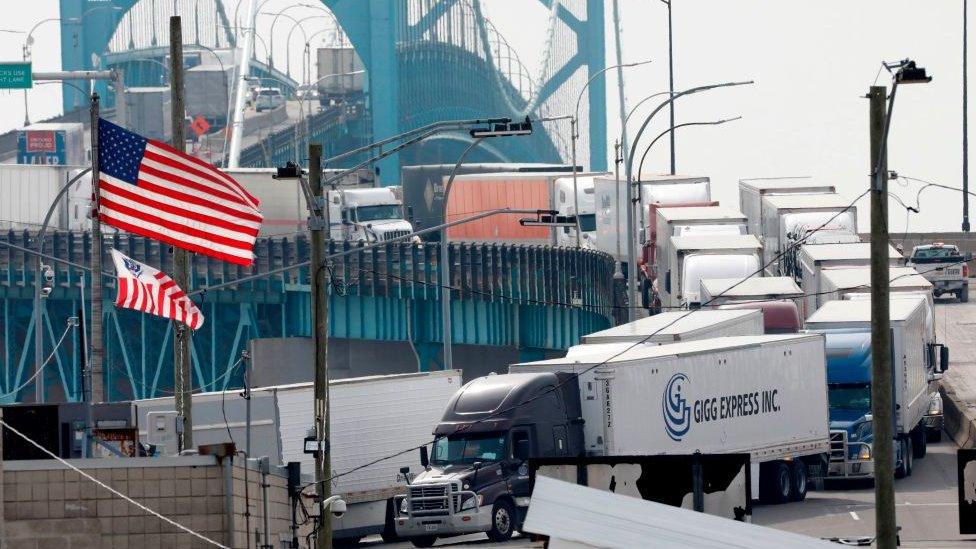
column 799, row 242
column 46, row 362
column 110, row 489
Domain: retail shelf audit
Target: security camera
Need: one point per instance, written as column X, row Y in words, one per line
column 338, row 508
column 48, row 273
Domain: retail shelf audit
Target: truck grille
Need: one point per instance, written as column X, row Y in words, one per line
column 395, row 234
column 838, row 445
column 429, row 500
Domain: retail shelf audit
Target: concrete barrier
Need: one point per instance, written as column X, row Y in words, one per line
column 960, row 416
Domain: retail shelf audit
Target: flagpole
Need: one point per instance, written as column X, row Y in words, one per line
column 182, row 340
column 97, row 341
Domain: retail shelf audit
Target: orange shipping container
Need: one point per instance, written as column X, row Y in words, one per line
column 476, row 193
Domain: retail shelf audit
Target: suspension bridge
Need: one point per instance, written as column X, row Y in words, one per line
column 424, row 61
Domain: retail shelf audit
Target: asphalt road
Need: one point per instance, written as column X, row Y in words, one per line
column 925, row 502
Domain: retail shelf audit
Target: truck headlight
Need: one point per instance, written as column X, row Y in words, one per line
column 403, row 506
column 472, row 502
column 864, row 453
column 935, row 405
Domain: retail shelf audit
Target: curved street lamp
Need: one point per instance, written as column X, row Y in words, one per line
column 671, row 130
column 628, row 166
column 574, row 135
column 305, row 62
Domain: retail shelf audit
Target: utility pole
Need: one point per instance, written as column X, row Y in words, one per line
column 881, row 375
column 182, row 335
column 965, row 117
column 97, row 342
column 318, row 224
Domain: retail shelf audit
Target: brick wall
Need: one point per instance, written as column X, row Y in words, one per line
column 48, row 505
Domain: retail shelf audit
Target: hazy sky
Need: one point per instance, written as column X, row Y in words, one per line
column 812, row 63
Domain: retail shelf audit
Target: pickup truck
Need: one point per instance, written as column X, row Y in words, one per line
column 944, row 266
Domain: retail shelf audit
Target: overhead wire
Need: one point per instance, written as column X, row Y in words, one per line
column 40, row 370
column 796, row 244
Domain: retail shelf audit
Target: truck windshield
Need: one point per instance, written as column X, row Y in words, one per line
column 378, row 212
column 457, row 450
column 855, row 396
column 936, row 255
column 587, row 222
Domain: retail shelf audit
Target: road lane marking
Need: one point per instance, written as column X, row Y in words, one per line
column 854, row 516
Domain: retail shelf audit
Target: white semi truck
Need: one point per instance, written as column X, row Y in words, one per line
column 367, row 215
column 611, row 206
column 761, row 395
column 370, row 418
column 752, row 192
column 790, row 218
column 692, row 258
column 720, row 291
column 918, row 362
column 814, row 259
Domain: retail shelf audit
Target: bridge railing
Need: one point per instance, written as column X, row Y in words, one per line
column 536, row 275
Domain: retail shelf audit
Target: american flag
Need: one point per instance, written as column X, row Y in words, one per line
column 149, row 188
column 146, row 289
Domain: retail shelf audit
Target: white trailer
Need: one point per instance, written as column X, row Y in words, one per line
column 694, row 221
column 752, row 191
column 837, row 283
column 719, row 291
column 847, row 327
column 671, row 327
column 787, row 218
column 611, row 206
column 370, row 418
column 762, row 395
column 814, row 258
column 692, row 258
column 565, row 205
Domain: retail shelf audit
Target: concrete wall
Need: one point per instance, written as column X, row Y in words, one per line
column 48, row 505
column 965, row 241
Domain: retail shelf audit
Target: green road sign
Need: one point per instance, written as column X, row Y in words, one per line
column 15, row 75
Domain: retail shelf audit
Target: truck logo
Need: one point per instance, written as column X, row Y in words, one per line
column 677, row 413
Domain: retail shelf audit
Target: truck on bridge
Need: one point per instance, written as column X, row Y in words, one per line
column 761, row 395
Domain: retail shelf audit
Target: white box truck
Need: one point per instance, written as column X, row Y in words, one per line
column 719, row 291
column 837, row 283
column 788, row 218
column 692, row 258
column 916, row 366
column 752, row 191
column 694, row 221
column 814, row 258
column 370, row 418
column 761, row 395
column 611, row 206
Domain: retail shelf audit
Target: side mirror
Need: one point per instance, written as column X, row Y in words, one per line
column 931, row 358
column 405, row 471
column 944, row 358
column 522, row 449
column 424, row 458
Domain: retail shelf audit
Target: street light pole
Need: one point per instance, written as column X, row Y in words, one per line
column 628, row 166
column 670, row 78
column 445, row 265
column 965, row 117
column 574, row 125
column 882, row 400
column 640, row 166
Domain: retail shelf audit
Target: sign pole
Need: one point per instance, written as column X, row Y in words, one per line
column 97, row 342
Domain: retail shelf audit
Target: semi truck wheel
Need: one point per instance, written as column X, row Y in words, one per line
column 502, row 521
column 919, row 442
column 423, row 541
column 910, row 453
column 904, row 467
column 775, row 482
column 800, row 477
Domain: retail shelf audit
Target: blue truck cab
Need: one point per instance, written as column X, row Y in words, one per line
column 849, row 400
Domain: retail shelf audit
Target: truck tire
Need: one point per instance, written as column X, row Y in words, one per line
column 904, row 467
column 775, row 482
column 919, row 442
column 910, row 452
column 934, row 436
column 423, row 541
column 502, row 521
column 800, row 478
column 964, row 293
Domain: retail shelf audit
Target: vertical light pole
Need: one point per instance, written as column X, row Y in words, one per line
column 574, row 125
column 965, row 117
column 670, row 78
column 479, row 135
column 882, row 401
column 243, row 69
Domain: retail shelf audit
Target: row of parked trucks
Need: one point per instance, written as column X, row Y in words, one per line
column 758, row 342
